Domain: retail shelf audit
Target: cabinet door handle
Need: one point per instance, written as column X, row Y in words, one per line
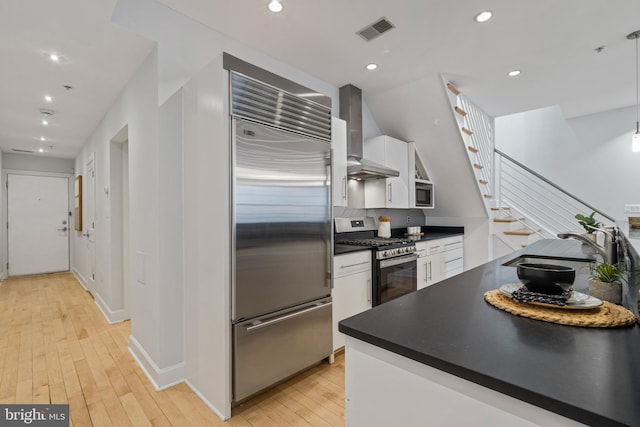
column 390, row 192
column 369, row 291
column 429, row 270
column 426, row 271
column 344, row 187
column 353, row 265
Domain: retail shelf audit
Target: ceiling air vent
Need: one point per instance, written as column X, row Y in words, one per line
column 372, row 31
column 21, row 151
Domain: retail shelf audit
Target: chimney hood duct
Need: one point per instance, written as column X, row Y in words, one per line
column 351, row 112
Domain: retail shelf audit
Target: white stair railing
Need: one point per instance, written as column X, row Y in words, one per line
column 503, row 181
column 542, row 201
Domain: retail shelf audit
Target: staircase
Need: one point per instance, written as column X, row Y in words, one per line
column 511, row 229
column 523, row 205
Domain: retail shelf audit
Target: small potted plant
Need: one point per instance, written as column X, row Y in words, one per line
column 590, row 224
column 605, row 283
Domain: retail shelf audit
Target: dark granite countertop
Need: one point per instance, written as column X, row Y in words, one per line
column 591, row 375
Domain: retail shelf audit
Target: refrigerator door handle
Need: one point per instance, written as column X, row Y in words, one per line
column 330, row 271
column 258, row 324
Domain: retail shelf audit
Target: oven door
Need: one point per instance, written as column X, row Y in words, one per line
column 395, row 277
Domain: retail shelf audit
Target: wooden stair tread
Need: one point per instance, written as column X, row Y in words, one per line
column 478, row 166
column 467, row 131
column 485, row 182
column 488, row 196
column 507, row 219
column 453, row 89
column 460, row 111
column 506, row 208
column 472, row 149
column 520, row 232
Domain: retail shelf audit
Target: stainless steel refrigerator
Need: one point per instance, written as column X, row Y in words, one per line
column 281, row 295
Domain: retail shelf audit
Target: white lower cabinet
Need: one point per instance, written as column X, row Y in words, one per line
column 452, row 257
column 439, row 259
column 351, row 289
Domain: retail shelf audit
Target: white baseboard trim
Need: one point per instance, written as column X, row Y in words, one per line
column 111, row 316
column 209, row 404
column 80, row 278
column 161, row 378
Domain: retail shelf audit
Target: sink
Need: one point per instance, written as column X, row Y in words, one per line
column 581, row 266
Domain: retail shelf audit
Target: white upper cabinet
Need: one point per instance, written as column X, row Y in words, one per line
column 339, row 175
column 390, row 192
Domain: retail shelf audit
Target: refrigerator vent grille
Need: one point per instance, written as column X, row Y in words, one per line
column 254, row 100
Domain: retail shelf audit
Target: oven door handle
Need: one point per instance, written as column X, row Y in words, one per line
column 398, row 260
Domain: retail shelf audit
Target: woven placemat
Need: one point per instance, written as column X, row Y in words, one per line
column 607, row 315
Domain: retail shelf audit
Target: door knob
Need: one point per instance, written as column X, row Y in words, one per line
column 62, row 229
column 85, row 234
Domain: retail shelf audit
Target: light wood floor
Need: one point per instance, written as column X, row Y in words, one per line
column 56, row 347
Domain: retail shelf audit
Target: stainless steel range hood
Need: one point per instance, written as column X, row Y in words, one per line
column 351, row 112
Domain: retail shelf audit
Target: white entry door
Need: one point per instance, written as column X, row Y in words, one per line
column 38, row 221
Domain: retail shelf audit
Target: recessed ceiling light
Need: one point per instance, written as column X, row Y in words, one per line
column 54, row 57
column 372, row 66
column 44, row 122
column 483, row 16
column 42, row 138
column 514, row 73
column 48, row 98
column 275, row 6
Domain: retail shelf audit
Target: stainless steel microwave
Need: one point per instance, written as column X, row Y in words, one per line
column 424, row 194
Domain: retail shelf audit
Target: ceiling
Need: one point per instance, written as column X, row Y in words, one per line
column 553, row 43
column 97, row 60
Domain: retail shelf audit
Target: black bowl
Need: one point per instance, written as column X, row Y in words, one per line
column 546, row 278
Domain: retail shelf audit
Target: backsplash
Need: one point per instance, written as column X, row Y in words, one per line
column 398, row 216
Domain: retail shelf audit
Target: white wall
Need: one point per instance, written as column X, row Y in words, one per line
column 588, row 156
column 171, row 321
column 34, row 162
column 136, row 108
column 207, row 237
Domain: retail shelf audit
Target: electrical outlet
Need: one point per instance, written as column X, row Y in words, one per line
column 631, row 208
column 408, row 220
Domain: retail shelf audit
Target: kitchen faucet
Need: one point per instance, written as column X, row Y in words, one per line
column 608, row 251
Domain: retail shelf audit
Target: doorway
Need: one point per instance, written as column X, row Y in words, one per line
column 119, row 215
column 90, row 221
column 38, row 224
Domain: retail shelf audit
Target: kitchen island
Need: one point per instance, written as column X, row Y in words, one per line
column 443, row 356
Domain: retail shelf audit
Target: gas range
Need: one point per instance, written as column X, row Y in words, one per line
column 394, row 261
column 385, row 248
column 361, row 232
